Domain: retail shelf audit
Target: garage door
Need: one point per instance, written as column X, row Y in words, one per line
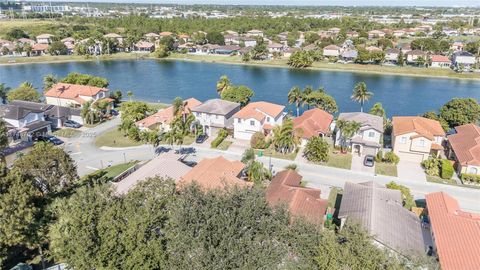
column 404, row 156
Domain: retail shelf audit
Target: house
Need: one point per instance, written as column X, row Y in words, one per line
column 376, row 34
column 412, row 56
column 73, row 95
column 231, row 39
column 457, row 46
column 312, row 123
column 334, row 31
column 440, row 61
column 39, row 49
column 404, row 47
column 165, row 34
column 161, row 120
column 118, row 38
column 44, row 38
column 391, row 55
column 24, row 41
column 275, row 47
column 285, row 190
column 227, row 49
column 258, row 116
column 215, row 114
column 215, row 173
column 331, row 51
column 152, row 36
column 416, row 138
column 144, row 46
column 352, row 34
column 56, row 115
column 464, row 148
column 399, row 33
column 254, row 33
column 455, row 233
column 463, row 59
column 349, row 55
column 368, row 139
column 24, row 123
column 371, row 49
column 380, row 211
column 166, row 166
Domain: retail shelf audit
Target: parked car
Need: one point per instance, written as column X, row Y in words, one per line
column 114, row 112
column 50, row 139
column 72, row 124
column 201, row 138
column 369, row 161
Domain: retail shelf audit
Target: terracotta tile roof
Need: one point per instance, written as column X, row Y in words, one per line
column 165, row 34
column 39, row 47
column 166, row 115
column 332, row 47
column 215, row 173
column 144, row 45
column 152, row 35
column 302, row 202
column 425, row 127
column 466, row 144
column 112, row 35
column 313, row 122
column 457, row 233
column 73, row 91
column 440, row 58
column 259, row 110
column 44, row 36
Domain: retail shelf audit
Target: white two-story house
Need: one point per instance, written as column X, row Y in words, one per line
column 415, row 138
column 257, row 117
column 215, row 114
column 74, row 95
column 368, row 139
column 24, row 123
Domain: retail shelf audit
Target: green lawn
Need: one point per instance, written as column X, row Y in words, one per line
column 339, row 160
column 271, row 152
column 67, row 132
column 115, row 138
column 386, row 169
column 437, row 179
column 333, row 197
column 224, row 145
column 115, row 170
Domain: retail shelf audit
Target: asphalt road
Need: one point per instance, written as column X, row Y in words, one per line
column 90, row 158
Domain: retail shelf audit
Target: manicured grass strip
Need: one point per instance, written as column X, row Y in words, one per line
column 67, row 132
column 115, row 138
column 334, row 196
column 386, row 169
column 224, row 145
column 274, row 154
column 115, row 170
column 339, row 160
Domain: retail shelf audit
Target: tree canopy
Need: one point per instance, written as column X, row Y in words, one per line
column 85, row 79
column 460, row 111
column 25, row 92
column 238, row 93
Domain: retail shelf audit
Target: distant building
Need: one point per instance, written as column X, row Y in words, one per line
column 68, row 95
column 440, row 61
column 44, row 38
column 463, row 59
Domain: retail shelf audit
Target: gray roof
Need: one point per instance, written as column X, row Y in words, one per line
column 11, row 111
column 166, row 166
column 379, row 210
column 37, row 125
column 49, row 109
column 216, row 106
column 367, row 120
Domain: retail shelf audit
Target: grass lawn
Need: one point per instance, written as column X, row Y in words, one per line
column 271, row 152
column 115, row 138
column 189, row 139
column 224, row 145
column 438, row 179
column 386, row 169
column 115, row 170
column 67, row 132
column 339, row 160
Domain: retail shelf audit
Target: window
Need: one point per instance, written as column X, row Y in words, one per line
column 268, row 119
column 403, row 140
column 239, row 120
column 371, row 134
column 421, row 143
column 252, row 123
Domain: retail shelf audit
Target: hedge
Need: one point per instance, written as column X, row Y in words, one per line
column 447, row 170
column 470, row 178
column 222, row 134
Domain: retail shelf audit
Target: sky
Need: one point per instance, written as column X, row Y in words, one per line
column 310, row 2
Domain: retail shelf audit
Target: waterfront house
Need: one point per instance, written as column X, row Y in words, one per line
column 368, row 139
column 24, row 122
column 39, row 49
column 391, row 55
column 231, row 39
column 413, row 56
column 258, row 116
column 376, row 34
column 113, row 36
column 74, row 95
column 416, row 138
column 312, row 123
column 166, row 34
column 152, row 37
column 56, row 115
column 227, row 49
column 25, row 41
column 463, row 60
column 404, row 47
column 215, row 114
column 285, row 190
column 254, row 33
column 331, row 51
column 248, row 41
column 161, row 120
column 464, row 148
column 144, row 46
column 380, row 211
column 440, row 61
column 215, row 173
column 275, row 47
column 44, row 38
column 455, row 233
column 349, row 55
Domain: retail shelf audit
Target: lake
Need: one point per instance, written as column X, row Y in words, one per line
column 162, row 81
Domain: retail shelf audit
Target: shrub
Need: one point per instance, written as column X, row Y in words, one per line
column 431, row 166
column 379, row 156
column 391, row 157
column 447, row 169
column 258, row 141
column 222, row 134
column 470, row 178
column 317, row 150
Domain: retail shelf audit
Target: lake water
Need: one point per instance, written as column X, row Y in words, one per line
column 162, row 81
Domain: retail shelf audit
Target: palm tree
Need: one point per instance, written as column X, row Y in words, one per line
column 257, row 173
column 306, row 93
column 295, row 96
column 347, row 129
column 49, row 81
column 130, row 95
column 178, row 107
column 285, row 139
column 3, row 92
column 361, row 94
column 223, row 84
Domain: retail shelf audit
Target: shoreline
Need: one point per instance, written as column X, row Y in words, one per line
column 317, row 66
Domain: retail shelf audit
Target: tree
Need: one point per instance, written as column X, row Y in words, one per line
column 378, row 110
column 161, row 51
column 52, row 172
column 215, row 38
column 238, row 93
column 132, row 111
column 48, row 81
column 407, row 198
column 3, row 92
column 295, row 96
column 222, row 84
column 85, row 79
column 460, row 111
column 306, row 93
column 257, row 173
column 24, row 92
column 116, row 96
column 347, row 129
column 361, row 94
column 16, row 33
column 401, row 59
column 285, row 139
column 57, row 48
column 300, row 59
column 322, row 100
column 259, row 52
column 3, row 138
column 317, row 150
column 130, row 95
column 168, row 42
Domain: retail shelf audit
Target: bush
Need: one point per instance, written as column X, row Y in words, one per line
column 379, row 156
column 431, row 166
column 447, row 169
column 470, row 178
column 258, row 141
column 391, row 157
column 317, row 150
column 222, row 134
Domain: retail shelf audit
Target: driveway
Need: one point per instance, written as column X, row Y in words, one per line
column 410, row 170
column 239, row 146
column 357, row 165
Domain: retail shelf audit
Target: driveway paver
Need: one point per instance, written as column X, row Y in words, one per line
column 357, row 165
column 411, row 170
